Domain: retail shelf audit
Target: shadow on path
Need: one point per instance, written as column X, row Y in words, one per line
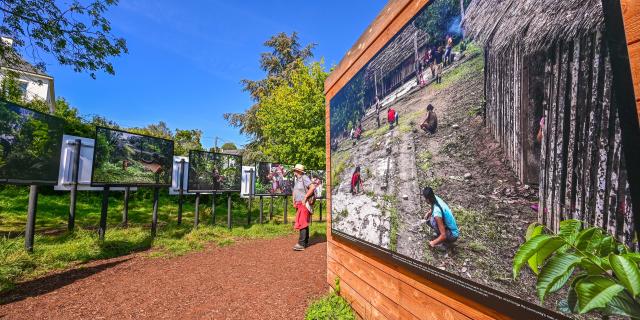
column 53, row 282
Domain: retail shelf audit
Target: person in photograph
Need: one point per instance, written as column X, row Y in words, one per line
column 447, row 53
column 392, row 117
column 430, row 123
column 437, row 63
column 303, row 190
column 358, row 132
column 441, row 220
column 356, row 181
column 431, row 62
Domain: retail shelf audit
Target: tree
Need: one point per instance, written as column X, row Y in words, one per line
column 76, row 34
column 286, row 122
column 292, row 118
column 285, row 51
column 186, row 140
column 229, row 146
column 160, row 130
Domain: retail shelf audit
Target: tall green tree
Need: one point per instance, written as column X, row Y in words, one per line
column 186, row 140
column 292, row 118
column 75, row 33
column 159, row 130
column 266, row 121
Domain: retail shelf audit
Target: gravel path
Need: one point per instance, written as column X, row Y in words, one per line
column 259, row 279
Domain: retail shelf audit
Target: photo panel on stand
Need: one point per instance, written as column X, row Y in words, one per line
column 127, row 159
column 471, row 118
column 273, row 179
column 214, row 172
column 30, row 143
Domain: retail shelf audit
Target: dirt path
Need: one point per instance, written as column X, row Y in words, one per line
column 257, row 279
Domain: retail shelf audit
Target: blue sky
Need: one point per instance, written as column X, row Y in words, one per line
column 186, row 58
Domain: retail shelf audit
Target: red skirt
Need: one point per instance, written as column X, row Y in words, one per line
column 302, row 216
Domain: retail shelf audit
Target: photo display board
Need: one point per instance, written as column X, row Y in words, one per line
column 85, row 163
column 319, row 178
column 29, row 145
column 214, row 172
column 512, row 101
column 273, row 179
column 127, row 159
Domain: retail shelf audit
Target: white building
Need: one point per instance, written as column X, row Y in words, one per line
column 34, row 83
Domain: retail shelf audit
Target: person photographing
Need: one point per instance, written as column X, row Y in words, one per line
column 303, row 190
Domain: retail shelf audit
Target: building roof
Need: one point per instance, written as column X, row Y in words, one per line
column 396, row 51
column 17, row 63
column 535, row 25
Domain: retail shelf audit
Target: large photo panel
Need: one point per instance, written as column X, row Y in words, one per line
column 30, row 144
column 214, row 172
column 445, row 149
column 127, row 159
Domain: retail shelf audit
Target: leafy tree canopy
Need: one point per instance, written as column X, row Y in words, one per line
column 186, row 140
column 229, row 146
column 75, row 33
column 286, row 122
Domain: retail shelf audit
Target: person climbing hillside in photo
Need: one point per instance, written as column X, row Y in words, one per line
column 392, row 117
column 358, row 132
column 356, row 181
column 303, row 189
column 441, row 220
column 430, row 123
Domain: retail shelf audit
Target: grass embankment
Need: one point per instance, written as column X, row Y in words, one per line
column 57, row 249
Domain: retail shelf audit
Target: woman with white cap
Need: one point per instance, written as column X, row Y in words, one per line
column 303, row 189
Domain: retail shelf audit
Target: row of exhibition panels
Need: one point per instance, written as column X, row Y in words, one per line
column 34, row 150
column 249, row 174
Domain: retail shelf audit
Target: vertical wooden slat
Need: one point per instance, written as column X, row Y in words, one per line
column 593, row 129
column 604, row 160
column 553, row 113
column 584, row 94
column 570, row 180
column 561, row 132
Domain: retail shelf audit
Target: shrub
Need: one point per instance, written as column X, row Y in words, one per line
column 331, row 306
column 603, row 274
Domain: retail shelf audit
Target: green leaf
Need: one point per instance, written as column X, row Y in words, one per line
column 606, row 246
column 632, row 256
column 537, row 260
column 624, row 305
column 533, row 230
column 572, row 296
column 595, row 292
column 626, row 270
column 584, row 237
column 569, row 229
column 527, row 250
column 555, row 273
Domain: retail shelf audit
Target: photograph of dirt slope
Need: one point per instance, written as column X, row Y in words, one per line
column 451, row 150
column 460, row 162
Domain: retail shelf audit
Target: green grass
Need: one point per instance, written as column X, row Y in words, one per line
column 424, row 158
column 56, row 249
column 330, row 306
column 384, row 128
column 409, row 121
column 468, row 69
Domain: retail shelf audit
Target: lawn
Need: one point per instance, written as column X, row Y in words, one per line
column 56, row 248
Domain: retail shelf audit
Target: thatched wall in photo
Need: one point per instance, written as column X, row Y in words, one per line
column 549, row 58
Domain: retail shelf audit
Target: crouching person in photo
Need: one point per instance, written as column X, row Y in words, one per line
column 441, row 219
column 303, row 189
